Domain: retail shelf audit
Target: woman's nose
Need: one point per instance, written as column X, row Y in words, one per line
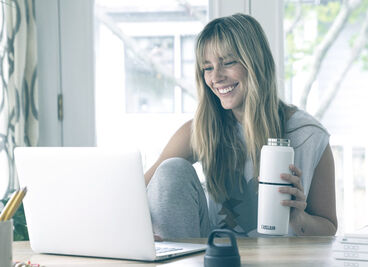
column 217, row 75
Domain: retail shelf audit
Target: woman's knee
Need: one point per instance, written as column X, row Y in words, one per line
column 174, row 172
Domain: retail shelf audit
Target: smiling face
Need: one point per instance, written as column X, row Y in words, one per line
column 225, row 76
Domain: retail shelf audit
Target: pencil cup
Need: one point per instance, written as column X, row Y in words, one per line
column 6, row 242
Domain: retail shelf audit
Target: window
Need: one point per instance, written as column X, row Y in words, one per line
column 147, row 89
column 326, row 74
column 145, row 70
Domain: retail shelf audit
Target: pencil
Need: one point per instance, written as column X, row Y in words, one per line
column 7, row 206
column 14, row 204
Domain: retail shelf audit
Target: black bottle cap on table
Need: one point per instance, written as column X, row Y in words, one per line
column 220, row 255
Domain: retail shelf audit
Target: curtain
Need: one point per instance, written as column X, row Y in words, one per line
column 18, row 86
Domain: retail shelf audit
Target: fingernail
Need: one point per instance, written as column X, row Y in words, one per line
column 281, row 190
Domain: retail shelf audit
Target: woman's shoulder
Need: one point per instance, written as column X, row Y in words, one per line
column 300, row 119
column 301, row 127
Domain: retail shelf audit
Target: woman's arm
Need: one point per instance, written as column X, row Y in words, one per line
column 178, row 146
column 316, row 215
column 321, row 202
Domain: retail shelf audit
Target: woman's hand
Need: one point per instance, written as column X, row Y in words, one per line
column 298, row 201
column 157, row 238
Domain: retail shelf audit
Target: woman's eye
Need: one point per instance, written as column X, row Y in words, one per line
column 229, row 63
column 207, row 68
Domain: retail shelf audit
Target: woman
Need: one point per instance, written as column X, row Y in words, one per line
column 238, row 111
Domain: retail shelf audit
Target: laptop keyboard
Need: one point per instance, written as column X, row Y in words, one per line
column 166, row 249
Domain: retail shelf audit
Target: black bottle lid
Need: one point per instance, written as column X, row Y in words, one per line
column 220, row 255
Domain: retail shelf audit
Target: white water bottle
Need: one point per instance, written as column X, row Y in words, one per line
column 276, row 156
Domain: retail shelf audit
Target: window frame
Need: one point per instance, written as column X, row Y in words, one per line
column 65, row 46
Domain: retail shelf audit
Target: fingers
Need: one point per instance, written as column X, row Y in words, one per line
column 294, row 170
column 297, row 193
column 293, row 178
column 295, row 204
column 298, row 200
column 158, row 238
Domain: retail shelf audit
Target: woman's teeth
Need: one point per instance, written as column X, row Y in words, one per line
column 226, row 90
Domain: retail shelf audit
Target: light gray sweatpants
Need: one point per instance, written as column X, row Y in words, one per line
column 177, row 201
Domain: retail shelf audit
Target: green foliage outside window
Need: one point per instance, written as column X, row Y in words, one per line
column 325, row 15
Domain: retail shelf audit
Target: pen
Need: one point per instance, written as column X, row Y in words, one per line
column 13, row 204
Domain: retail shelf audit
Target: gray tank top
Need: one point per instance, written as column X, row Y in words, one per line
column 239, row 213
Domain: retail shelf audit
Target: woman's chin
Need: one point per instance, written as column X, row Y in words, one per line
column 227, row 106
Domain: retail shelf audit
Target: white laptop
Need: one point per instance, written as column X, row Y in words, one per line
column 90, row 201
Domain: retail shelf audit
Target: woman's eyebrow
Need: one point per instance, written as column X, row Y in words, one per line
column 229, row 56
column 221, row 59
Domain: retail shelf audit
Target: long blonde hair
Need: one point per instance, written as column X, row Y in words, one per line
column 215, row 138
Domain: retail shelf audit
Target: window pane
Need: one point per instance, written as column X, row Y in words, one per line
column 145, row 87
column 157, row 38
column 147, row 90
column 360, row 191
column 187, row 72
column 338, row 154
column 326, row 74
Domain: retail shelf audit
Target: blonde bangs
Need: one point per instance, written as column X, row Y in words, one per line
column 219, row 42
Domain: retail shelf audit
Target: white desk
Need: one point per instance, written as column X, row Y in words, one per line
column 278, row 251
